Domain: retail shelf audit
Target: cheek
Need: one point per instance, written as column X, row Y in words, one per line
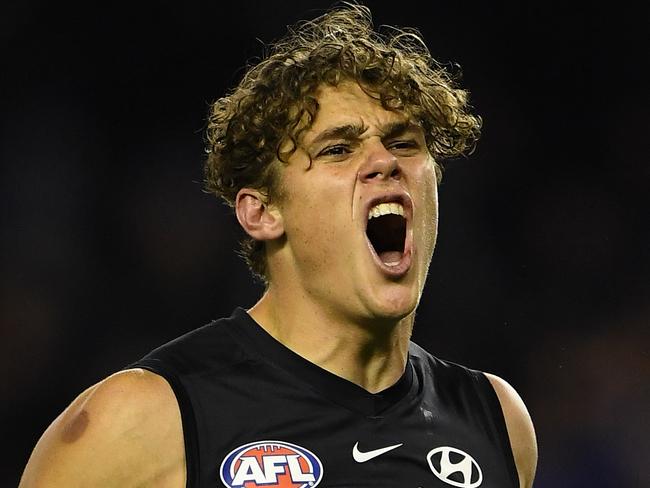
column 427, row 201
column 425, row 176
column 312, row 216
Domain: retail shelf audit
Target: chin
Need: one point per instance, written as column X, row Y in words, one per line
column 394, row 305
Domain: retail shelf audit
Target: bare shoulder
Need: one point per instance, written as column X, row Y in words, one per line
column 520, row 429
column 124, row 431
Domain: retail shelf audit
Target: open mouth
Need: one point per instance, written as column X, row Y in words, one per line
column 386, row 231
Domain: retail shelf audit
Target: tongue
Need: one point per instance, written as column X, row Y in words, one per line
column 390, row 257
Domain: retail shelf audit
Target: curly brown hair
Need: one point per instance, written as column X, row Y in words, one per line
column 275, row 102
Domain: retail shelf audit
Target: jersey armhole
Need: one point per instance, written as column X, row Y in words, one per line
column 187, row 416
column 491, row 401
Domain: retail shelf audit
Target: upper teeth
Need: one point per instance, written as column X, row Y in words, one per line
column 385, row 209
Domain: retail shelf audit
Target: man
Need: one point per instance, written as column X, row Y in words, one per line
column 328, row 152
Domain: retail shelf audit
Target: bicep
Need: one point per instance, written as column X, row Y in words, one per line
column 122, row 432
column 521, row 431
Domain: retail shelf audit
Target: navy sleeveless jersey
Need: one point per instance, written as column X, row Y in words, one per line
column 255, row 414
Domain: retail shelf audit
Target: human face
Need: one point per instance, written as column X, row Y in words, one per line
column 361, row 156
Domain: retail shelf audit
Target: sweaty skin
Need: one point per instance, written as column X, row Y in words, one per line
column 122, row 432
column 75, row 427
column 329, row 299
column 322, row 272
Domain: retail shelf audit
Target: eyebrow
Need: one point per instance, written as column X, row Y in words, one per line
column 354, row 131
column 399, row 128
column 348, row 131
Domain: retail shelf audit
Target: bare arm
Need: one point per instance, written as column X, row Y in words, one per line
column 520, row 430
column 125, row 431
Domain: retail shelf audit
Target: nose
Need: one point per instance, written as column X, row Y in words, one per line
column 380, row 165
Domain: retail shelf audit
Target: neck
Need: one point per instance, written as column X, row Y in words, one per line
column 369, row 353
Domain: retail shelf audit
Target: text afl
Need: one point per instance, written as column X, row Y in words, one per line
column 271, row 464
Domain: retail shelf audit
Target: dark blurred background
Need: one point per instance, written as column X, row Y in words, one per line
column 109, row 247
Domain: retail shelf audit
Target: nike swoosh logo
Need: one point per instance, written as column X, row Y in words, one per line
column 362, row 457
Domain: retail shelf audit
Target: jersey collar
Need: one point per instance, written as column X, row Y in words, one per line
column 332, row 387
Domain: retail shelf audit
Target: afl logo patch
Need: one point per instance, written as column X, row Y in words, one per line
column 271, row 464
column 455, row 467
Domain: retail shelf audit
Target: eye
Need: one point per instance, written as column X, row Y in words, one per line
column 404, row 145
column 335, row 150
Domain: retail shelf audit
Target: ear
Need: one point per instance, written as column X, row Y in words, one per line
column 261, row 221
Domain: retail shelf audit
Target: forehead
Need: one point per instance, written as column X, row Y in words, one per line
column 347, row 103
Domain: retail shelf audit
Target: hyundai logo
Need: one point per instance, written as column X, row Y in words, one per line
column 455, row 467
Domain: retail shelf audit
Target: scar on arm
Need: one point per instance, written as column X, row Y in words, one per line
column 75, row 427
